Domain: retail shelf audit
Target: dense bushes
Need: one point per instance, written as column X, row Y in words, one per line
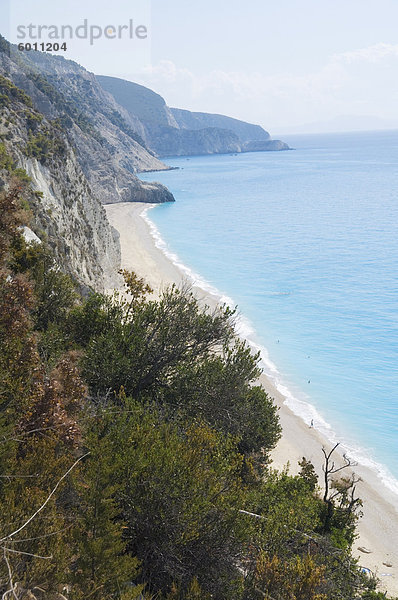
column 6, row 161
column 134, row 452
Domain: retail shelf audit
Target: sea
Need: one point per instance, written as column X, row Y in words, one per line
column 305, row 243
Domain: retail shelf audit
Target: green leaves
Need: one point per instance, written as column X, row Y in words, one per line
column 179, row 489
column 102, row 567
column 145, row 349
column 175, row 498
column 179, row 355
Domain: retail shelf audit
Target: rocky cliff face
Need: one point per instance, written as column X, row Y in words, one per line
column 187, row 142
column 140, row 102
column 264, row 146
column 81, row 146
column 80, row 150
column 176, row 132
column 108, row 147
column 65, row 212
column 246, row 132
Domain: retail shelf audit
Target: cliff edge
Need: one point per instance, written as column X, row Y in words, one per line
column 177, row 132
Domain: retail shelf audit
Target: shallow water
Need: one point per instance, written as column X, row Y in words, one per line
column 306, row 243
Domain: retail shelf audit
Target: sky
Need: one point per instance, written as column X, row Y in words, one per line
column 290, row 65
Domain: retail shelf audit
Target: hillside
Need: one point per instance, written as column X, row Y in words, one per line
column 108, row 149
column 61, row 132
column 246, row 132
column 139, row 101
column 64, row 212
column 136, row 440
column 176, row 132
column 136, row 448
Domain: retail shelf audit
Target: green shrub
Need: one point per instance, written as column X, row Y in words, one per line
column 43, row 145
column 22, row 175
column 33, row 120
column 6, row 161
column 10, row 90
column 4, row 100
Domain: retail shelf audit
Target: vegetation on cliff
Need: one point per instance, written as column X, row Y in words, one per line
column 134, row 451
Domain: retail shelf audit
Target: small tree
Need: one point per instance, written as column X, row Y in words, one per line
column 339, row 496
column 144, row 349
column 181, row 486
column 102, row 568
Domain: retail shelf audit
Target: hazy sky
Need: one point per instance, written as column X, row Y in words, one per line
column 281, row 63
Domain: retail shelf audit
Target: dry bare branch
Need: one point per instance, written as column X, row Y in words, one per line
column 7, row 537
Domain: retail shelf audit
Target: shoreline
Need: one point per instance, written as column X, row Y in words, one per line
column 378, row 529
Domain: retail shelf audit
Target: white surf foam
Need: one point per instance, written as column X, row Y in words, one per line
column 301, row 407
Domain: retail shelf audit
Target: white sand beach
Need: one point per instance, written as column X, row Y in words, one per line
column 378, row 528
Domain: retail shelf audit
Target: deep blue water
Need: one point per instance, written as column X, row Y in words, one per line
column 306, row 243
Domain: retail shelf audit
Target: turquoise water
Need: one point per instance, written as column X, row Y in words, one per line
column 306, row 243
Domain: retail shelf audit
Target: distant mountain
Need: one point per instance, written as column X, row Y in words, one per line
column 246, row 132
column 140, row 102
column 176, row 132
